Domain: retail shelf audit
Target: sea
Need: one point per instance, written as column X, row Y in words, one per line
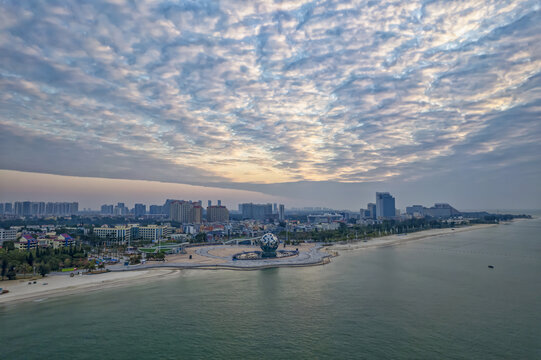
column 435, row 298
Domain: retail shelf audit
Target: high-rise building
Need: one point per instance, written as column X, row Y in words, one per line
column 8, row 208
column 371, row 207
column 217, row 214
column 1, row 208
column 37, row 208
column 385, row 205
column 166, row 208
column 155, row 210
column 197, row 214
column 281, row 214
column 275, row 209
column 209, row 203
column 219, row 202
column 256, row 211
column 107, row 209
column 186, row 212
column 120, row 209
column 22, row 208
column 139, row 209
column 40, row 208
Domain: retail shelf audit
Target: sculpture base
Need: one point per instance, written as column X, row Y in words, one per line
column 260, row 255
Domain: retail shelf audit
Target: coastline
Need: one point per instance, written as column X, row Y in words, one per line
column 64, row 285
column 395, row 240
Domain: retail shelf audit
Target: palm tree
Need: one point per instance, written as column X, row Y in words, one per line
column 90, row 266
column 22, row 268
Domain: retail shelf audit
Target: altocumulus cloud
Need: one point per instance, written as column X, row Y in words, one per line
column 269, row 91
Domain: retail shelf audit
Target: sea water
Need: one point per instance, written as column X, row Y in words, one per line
column 434, row 298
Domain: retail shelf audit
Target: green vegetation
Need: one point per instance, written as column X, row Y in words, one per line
column 388, row 227
column 160, row 256
column 40, row 261
column 199, row 238
column 135, row 259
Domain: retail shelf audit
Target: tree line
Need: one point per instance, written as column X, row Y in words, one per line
column 39, row 261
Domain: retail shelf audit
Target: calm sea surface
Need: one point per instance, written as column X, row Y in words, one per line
column 430, row 299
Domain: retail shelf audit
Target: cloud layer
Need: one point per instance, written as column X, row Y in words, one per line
column 270, row 91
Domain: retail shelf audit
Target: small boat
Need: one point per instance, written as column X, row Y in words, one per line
column 491, row 266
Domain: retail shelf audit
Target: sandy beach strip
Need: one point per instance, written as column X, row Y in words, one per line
column 60, row 285
column 394, row 240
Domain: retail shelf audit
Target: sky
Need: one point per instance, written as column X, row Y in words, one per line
column 310, row 103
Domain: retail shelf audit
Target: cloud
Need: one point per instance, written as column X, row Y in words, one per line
column 268, row 92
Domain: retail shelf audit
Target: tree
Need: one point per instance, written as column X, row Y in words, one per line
column 30, row 259
column 201, row 237
column 12, row 274
column 4, row 268
column 27, row 269
column 91, row 265
column 21, row 268
column 44, row 270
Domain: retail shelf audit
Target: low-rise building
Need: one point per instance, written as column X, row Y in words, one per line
column 324, row 218
column 153, row 232
column 64, row 240
column 117, row 233
column 8, row 235
column 26, row 242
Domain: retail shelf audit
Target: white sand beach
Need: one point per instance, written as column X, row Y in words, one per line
column 59, row 285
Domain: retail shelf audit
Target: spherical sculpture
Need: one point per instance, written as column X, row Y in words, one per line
column 269, row 243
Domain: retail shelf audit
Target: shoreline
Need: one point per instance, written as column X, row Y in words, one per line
column 395, row 240
column 64, row 285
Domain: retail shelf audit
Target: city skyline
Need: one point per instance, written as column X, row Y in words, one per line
column 94, row 192
column 316, row 103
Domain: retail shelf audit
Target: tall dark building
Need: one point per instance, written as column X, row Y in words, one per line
column 371, row 207
column 282, row 213
column 140, row 209
column 385, row 205
column 155, row 210
column 107, row 209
